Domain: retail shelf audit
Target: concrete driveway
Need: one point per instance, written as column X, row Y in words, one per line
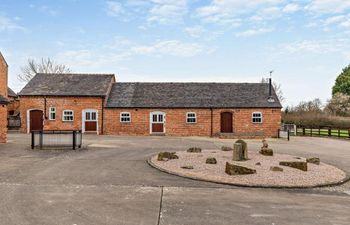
column 111, row 183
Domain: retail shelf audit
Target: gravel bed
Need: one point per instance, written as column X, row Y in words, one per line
column 290, row 177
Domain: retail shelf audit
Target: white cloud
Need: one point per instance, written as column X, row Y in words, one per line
column 252, row 32
column 291, row 8
column 338, row 20
column 195, row 31
column 114, row 8
column 223, row 11
column 167, row 11
column 7, row 24
column 340, row 46
column 328, row 6
column 171, row 48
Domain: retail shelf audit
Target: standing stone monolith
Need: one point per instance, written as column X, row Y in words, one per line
column 238, row 154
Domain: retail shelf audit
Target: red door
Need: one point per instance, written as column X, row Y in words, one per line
column 226, row 122
column 91, row 121
column 36, row 120
column 157, row 120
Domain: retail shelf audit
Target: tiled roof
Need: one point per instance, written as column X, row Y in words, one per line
column 191, row 95
column 3, row 100
column 11, row 93
column 68, row 85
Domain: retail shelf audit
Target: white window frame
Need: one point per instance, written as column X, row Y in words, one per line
column 63, row 115
column 121, row 117
column 261, row 117
column 195, row 117
column 52, row 110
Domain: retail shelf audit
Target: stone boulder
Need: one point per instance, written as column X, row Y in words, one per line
column 211, row 161
column 232, row 169
column 297, row 165
column 226, row 149
column 194, row 150
column 187, row 167
column 244, row 147
column 316, row 161
column 266, row 151
column 238, row 152
column 276, row 169
column 165, row 156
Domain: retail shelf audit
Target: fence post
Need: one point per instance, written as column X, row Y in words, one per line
column 311, row 132
column 278, row 133
column 319, row 131
column 303, row 131
column 288, row 134
column 33, row 139
column 338, row 133
column 329, row 132
column 349, row 133
column 74, row 134
column 41, row 139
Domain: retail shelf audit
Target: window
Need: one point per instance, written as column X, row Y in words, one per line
column 90, row 116
column 191, row 117
column 257, row 117
column 52, row 111
column 68, row 115
column 125, row 117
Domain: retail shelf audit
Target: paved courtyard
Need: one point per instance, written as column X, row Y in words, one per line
column 111, row 183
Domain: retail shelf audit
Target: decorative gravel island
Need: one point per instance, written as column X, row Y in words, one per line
column 253, row 169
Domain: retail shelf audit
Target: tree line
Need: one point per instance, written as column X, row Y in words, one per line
column 335, row 113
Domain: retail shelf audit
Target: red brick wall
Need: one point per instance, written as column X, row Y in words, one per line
column 13, row 105
column 3, row 123
column 77, row 104
column 176, row 125
column 3, row 92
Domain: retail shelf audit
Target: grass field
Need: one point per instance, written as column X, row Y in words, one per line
column 324, row 132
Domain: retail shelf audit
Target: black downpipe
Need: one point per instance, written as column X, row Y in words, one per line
column 45, row 103
column 102, row 118
column 270, row 87
column 211, row 122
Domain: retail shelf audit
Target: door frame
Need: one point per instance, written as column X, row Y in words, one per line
column 83, row 118
column 28, row 118
column 232, row 121
column 151, row 121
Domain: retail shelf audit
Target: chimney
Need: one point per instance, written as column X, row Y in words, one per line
column 270, row 98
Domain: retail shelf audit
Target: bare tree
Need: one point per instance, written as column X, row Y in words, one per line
column 339, row 105
column 44, row 66
column 277, row 87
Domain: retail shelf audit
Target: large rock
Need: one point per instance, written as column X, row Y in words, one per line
column 165, row 156
column 316, row 161
column 238, row 154
column 232, row 169
column 211, row 161
column 244, row 147
column 226, row 149
column 187, row 167
column 194, row 150
column 266, row 151
column 297, row 165
column 276, row 169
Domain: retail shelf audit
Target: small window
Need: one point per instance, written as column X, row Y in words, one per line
column 68, row 115
column 52, row 113
column 191, row 117
column 257, row 117
column 125, row 117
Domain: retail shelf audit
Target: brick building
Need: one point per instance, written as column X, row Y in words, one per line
column 193, row 109
column 13, row 105
column 65, row 102
column 98, row 103
column 3, row 99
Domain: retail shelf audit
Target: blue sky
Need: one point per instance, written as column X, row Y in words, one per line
column 306, row 42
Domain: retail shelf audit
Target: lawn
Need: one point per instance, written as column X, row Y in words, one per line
column 324, row 132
